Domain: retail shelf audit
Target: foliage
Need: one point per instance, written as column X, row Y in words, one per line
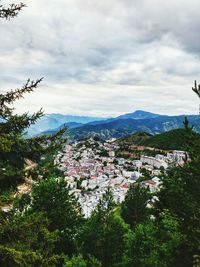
column 76, row 261
column 11, row 11
column 155, row 243
column 134, row 209
column 174, row 139
column 52, row 196
column 14, row 147
column 180, row 195
column 104, row 233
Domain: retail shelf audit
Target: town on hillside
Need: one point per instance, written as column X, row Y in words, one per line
column 91, row 166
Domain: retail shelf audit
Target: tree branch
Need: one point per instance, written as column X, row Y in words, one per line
column 10, row 97
column 12, row 11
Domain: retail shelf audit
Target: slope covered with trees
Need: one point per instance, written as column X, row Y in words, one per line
column 174, row 139
column 171, row 140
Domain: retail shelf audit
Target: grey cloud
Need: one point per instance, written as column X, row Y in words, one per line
column 111, row 50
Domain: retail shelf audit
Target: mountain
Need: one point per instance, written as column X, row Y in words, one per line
column 68, row 125
column 53, row 121
column 171, row 140
column 138, row 115
column 121, row 126
column 118, row 128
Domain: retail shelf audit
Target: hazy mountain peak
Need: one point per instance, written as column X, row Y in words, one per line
column 139, row 114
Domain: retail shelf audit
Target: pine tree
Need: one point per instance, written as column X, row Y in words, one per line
column 104, row 234
column 15, row 147
column 11, row 11
column 134, row 209
column 53, row 197
column 180, row 195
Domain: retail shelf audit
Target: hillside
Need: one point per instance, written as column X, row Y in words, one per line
column 174, row 139
column 136, row 138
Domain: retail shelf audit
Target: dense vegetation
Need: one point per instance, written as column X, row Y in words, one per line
column 135, row 139
column 46, row 228
column 171, row 140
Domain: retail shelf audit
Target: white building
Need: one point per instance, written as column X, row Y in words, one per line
column 157, row 163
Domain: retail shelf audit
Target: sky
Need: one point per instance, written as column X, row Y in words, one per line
column 103, row 58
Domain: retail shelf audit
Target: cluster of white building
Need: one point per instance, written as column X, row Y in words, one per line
column 90, row 167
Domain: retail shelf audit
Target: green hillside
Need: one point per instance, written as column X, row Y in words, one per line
column 174, row 139
column 136, row 138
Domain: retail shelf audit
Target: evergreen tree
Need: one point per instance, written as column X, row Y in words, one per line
column 104, row 234
column 180, row 195
column 15, row 148
column 11, row 11
column 52, row 196
column 134, row 209
column 154, row 243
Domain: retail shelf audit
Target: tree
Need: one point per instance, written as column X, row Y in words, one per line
column 26, row 241
column 76, row 261
column 134, row 209
column 180, row 195
column 196, row 89
column 52, row 196
column 155, row 243
column 104, row 234
column 11, row 11
column 24, row 234
column 79, row 261
column 15, row 148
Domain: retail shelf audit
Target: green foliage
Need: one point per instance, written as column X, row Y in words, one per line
column 47, row 229
column 10, row 257
column 155, row 243
column 134, row 139
column 170, row 140
column 15, row 149
column 6, row 198
column 52, row 196
column 180, row 195
column 134, row 209
column 79, row 261
column 146, row 175
column 76, row 261
column 174, row 139
column 104, row 153
column 104, row 234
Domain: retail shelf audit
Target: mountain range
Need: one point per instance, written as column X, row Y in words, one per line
column 123, row 125
column 55, row 121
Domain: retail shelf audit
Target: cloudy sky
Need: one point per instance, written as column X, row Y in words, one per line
column 104, row 58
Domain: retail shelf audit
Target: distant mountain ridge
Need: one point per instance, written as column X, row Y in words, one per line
column 139, row 114
column 123, row 125
column 51, row 122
